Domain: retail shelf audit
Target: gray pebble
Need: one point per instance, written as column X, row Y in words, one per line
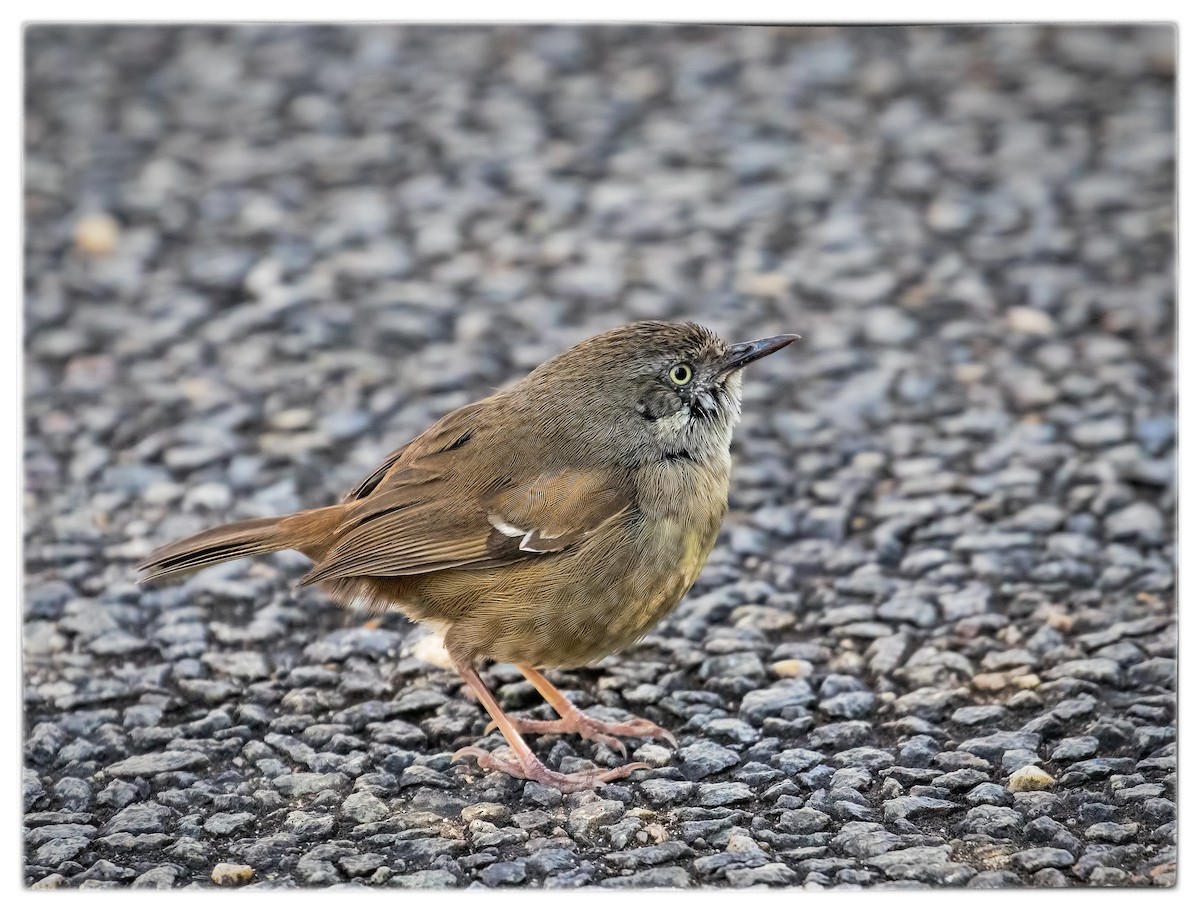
column 704, row 758
column 1035, row 859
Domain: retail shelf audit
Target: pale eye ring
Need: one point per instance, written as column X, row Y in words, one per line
column 681, row 374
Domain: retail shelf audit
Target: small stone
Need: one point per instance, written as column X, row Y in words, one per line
column 861, row 839
column 871, row 758
column 772, row 874
column 147, row 817
column 1071, row 749
column 32, row 788
column 994, row 880
column 1117, row 833
column 316, row 871
column 71, row 792
column 54, row 852
column 228, row 824
column 978, row 715
column 1100, row 433
column 1035, row 859
column 791, row 668
column 910, row 806
column 503, row 873
column 305, row 825
column 1102, row 876
column 118, row 794
column 545, row 862
column 992, row 747
column 1157, row 671
column 50, row 882
column 425, row 880
column 796, row 760
column 960, row 780
column 654, row 878
column 97, row 234
column 1029, row 321
column 250, row 665
column 723, row 794
column 915, row 611
column 889, row 326
column 489, row 811
column 772, row 701
column 731, row 731
column 161, row 877
column 666, row 791
column 541, row 795
column 657, row 755
column 705, row 758
column 363, row 807
column 1050, row 878
column 226, row 874
column 361, row 865
column 59, row 831
column 1030, row 779
column 292, row 785
column 152, row 764
column 990, row 820
column 1013, row 760
column 989, row 793
column 1138, row 520
column 1099, row 671
column 804, row 821
column 586, row 818
column 856, row 705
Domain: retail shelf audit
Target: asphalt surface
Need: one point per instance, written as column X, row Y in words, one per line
column 935, row 644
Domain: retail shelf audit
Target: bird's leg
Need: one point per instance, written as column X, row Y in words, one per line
column 526, row 765
column 573, row 720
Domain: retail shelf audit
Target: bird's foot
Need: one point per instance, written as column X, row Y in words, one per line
column 536, row 771
column 591, row 729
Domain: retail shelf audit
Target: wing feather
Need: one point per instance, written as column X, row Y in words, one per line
column 440, row 501
column 430, row 526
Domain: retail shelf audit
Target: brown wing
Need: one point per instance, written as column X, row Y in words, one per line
column 451, row 433
column 431, row 524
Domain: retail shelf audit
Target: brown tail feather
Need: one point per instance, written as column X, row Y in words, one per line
column 306, row 531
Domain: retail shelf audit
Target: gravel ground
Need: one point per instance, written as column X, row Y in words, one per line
column 935, row 644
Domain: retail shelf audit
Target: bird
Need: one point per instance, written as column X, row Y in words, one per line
column 548, row 525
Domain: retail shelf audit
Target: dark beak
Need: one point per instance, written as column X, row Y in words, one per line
column 744, row 352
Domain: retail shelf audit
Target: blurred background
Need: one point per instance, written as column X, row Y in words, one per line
column 258, row 258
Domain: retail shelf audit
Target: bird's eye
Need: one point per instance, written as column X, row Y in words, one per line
column 681, row 374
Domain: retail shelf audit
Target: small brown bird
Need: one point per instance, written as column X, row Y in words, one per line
column 547, row 525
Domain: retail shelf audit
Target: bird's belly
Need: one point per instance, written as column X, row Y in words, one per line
column 577, row 606
column 574, row 608
column 672, row 555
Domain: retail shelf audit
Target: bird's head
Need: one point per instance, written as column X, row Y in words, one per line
column 653, row 390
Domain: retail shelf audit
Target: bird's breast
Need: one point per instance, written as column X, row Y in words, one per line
column 573, row 608
column 681, row 506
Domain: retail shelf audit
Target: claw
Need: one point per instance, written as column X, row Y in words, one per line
column 592, row 729
column 644, row 728
column 470, row 751
column 524, row 765
column 565, row 726
column 536, row 771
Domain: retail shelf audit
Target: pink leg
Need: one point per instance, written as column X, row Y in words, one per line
column 527, row 765
column 573, row 720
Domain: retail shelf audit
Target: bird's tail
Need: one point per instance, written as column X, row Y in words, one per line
column 307, row 531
